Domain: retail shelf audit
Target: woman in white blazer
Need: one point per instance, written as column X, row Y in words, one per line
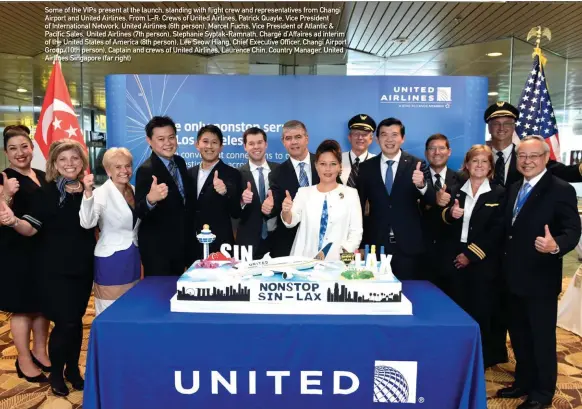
column 328, row 212
column 112, row 207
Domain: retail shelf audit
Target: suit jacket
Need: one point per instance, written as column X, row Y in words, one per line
column 108, row 208
column 485, row 232
column 166, row 229
column 398, row 211
column 569, row 173
column 551, row 202
column 282, row 179
column 214, row 209
column 251, row 218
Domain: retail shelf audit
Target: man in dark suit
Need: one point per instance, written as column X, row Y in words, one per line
column 254, row 226
column 500, row 118
column 392, row 183
column 443, row 180
column 163, row 196
column 541, row 226
column 217, row 187
column 297, row 171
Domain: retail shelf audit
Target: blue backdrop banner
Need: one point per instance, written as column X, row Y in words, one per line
column 452, row 106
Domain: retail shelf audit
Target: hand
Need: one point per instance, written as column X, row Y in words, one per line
column 88, row 182
column 418, row 177
column 461, row 261
column 157, row 192
column 287, row 203
column 11, row 186
column 546, row 244
column 456, row 211
column 247, row 196
column 268, row 203
column 6, row 214
column 442, row 197
column 218, row 184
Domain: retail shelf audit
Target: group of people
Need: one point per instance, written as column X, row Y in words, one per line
column 490, row 236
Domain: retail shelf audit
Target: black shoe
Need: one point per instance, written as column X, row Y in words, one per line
column 58, row 385
column 33, row 379
column 532, row 404
column 512, row 392
column 42, row 367
column 74, row 377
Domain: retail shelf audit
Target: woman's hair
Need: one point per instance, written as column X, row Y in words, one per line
column 113, row 153
column 15, row 130
column 474, row 151
column 59, row 147
column 331, row 146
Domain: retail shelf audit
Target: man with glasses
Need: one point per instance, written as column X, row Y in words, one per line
column 500, row 118
column 541, row 226
column 362, row 127
column 297, row 171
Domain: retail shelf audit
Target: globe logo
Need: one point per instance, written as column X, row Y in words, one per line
column 389, row 385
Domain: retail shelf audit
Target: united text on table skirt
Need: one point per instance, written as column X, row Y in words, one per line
column 143, row 356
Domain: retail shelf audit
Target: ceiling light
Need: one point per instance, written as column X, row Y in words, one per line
column 496, row 54
column 493, row 94
column 400, row 40
column 20, row 89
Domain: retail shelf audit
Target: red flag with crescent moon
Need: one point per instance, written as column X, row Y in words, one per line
column 57, row 117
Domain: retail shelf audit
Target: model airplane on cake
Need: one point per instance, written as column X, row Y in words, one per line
column 288, row 266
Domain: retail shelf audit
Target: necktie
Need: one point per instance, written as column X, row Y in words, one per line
column 389, row 178
column 521, row 198
column 354, row 173
column 500, row 169
column 262, row 195
column 303, row 181
column 174, row 172
column 437, row 184
column 323, row 224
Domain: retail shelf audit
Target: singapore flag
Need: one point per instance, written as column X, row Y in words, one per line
column 57, row 118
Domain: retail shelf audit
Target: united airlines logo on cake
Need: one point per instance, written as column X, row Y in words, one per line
column 413, row 96
column 395, row 381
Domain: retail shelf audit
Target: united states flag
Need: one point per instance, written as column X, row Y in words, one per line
column 536, row 113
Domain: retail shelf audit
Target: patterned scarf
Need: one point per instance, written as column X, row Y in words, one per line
column 62, row 182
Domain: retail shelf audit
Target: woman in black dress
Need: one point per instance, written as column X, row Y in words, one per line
column 18, row 293
column 65, row 254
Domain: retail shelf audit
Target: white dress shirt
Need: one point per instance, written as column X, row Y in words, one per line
column 202, row 176
column 396, row 159
column 272, row 222
column 442, row 173
column 470, row 202
column 344, row 225
column 108, row 208
column 506, row 157
column 348, row 159
column 307, row 167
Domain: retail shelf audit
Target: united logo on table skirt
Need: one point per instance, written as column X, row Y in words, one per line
column 395, row 381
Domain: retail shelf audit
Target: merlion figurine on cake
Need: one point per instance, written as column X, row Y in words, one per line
column 291, row 284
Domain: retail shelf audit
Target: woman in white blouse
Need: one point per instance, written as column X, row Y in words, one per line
column 471, row 237
column 112, row 206
column 328, row 212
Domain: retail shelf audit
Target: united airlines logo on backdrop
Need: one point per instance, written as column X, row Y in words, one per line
column 395, row 381
column 419, row 97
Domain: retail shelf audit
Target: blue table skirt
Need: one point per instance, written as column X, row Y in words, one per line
column 137, row 344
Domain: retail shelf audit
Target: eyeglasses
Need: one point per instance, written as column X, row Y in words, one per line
column 531, row 156
column 505, row 125
column 360, row 135
column 433, row 149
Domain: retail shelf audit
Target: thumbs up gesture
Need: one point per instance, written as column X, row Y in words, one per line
column 287, row 203
column 218, row 184
column 442, row 197
column 157, row 192
column 247, row 196
column 418, row 177
column 546, row 244
column 11, row 186
column 88, row 183
column 456, row 211
column 268, row 203
column 6, row 214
